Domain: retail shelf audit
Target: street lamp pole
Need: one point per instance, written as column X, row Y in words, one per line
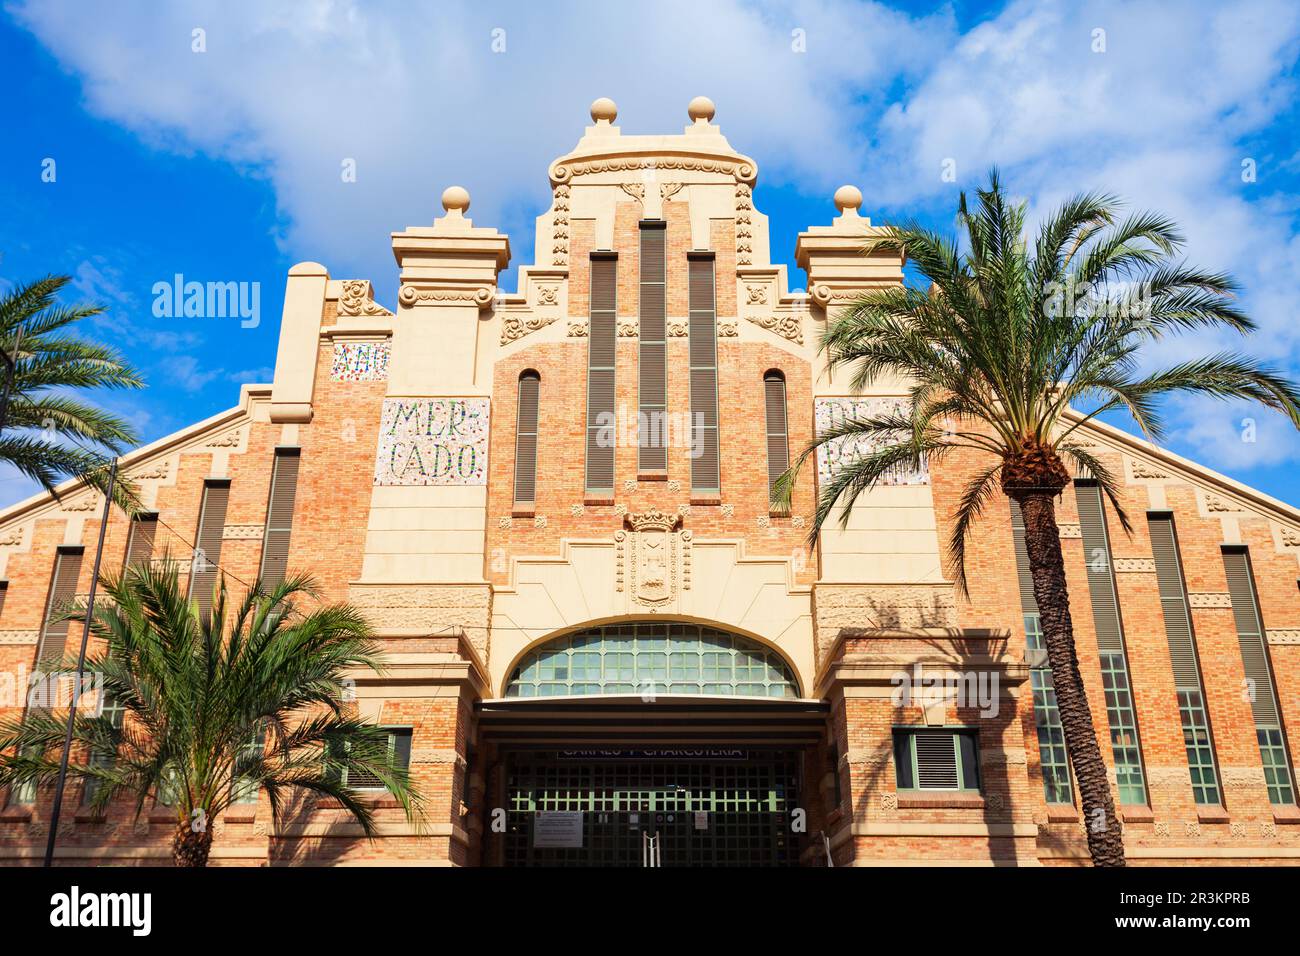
column 81, row 663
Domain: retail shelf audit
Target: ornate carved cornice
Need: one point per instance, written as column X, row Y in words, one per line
column 566, row 169
column 787, row 326
column 516, row 327
column 357, row 298
column 413, row 295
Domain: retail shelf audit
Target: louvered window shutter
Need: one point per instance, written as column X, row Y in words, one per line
column 526, row 441
column 936, row 760
column 279, row 515
column 601, row 347
column 1173, row 602
column 705, row 471
column 653, row 396
column 212, row 523
column 139, row 546
column 1028, row 604
column 1250, row 636
column 63, row 588
column 1097, row 560
column 778, row 428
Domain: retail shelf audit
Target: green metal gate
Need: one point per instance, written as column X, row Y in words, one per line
column 692, row 812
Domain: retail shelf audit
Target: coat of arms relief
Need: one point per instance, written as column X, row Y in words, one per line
column 653, row 559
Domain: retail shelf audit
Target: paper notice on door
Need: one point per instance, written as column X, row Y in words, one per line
column 701, row 819
column 557, row 828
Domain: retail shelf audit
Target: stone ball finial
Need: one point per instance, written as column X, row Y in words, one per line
column 604, row 110
column 700, row 108
column 455, row 199
column 848, row 197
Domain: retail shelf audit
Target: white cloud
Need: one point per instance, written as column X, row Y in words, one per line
column 186, row 372
column 419, row 99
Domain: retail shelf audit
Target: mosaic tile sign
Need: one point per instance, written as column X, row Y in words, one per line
column 833, row 412
column 433, row 441
column 360, row 362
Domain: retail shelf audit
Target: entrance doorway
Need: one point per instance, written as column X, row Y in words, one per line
column 667, row 807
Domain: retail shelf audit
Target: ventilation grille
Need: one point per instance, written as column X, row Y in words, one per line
column 705, row 475
column 1173, row 603
column 1028, row 603
column 653, row 438
column 778, row 434
column 526, row 440
column 212, row 522
column 936, row 760
column 1250, row 636
column 63, row 588
column 600, row 375
column 139, row 549
column 1097, row 561
column 279, row 515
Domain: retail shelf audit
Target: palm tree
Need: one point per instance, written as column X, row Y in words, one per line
column 1010, row 352
column 214, row 708
column 45, row 432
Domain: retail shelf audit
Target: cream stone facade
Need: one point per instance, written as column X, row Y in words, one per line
column 656, row 667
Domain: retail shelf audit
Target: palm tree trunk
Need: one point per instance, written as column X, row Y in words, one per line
column 1043, row 544
column 190, row 848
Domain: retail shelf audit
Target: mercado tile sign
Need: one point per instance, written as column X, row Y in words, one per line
column 831, row 457
column 433, row 441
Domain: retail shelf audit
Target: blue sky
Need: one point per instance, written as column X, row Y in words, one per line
column 224, row 165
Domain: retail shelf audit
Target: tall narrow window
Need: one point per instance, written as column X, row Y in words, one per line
column 601, row 348
column 140, row 539
column 113, row 713
column 1120, row 712
column 63, row 588
column 279, row 515
column 4, row 593
column 1278, row 772
column 1182, row 654
column 778, row 428
column 1053, row 758
column 244, row 788
column 703, row 328
column 530, row 384
column 207, row 543
column 652, row 431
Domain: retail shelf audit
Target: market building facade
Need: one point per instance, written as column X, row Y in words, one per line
column 605, row 645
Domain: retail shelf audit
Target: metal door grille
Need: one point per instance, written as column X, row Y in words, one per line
column 747, row 804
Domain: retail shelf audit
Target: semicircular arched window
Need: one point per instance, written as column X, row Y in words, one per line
column 662, row 658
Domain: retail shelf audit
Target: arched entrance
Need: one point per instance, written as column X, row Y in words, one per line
column 643, row 743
